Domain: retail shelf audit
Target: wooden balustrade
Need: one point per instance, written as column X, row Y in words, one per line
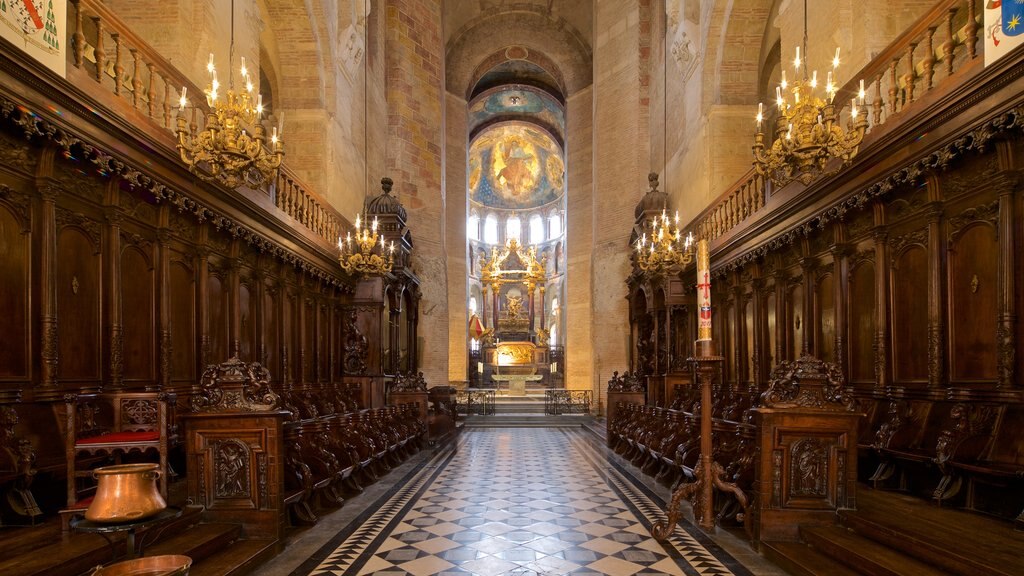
column 902, row 74
column 132, row 76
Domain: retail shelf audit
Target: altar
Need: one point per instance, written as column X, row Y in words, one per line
column 516, row 382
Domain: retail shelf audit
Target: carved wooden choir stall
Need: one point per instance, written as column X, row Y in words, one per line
column 901, row 276
column 127, row 279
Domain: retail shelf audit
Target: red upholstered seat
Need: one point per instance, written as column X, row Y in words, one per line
column 102, row 428
column 121, row 437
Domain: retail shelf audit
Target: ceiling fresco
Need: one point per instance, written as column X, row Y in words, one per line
column 515, row 166
column 517, row 102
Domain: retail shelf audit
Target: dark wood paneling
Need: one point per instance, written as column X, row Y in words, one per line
column 271, row 331
column 14, row 254
column 797, row 321
column 910, row 315
column 247, row 319
column 183, row 318
column 137, row 314
column 826, row 335
column 78, row 305
column 972, row 303
column 862, row 322
column 217, row 298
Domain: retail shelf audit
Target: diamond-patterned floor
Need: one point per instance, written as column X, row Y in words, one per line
column 517, row 501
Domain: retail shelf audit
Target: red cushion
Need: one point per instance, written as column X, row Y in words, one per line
column 121, row 437
column 81, row 504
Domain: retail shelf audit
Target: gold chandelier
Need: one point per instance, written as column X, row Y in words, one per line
column 666, row 249
column 808, row 134
column 232, row 148
column 365, row 257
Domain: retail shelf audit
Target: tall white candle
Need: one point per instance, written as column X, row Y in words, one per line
column 703, row 291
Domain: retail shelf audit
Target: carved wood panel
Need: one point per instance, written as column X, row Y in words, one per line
column 862, row 322
column 217, row 299
column 271, row 327
column 910, row 314
column 78, row 302
column 138, row 304
column 972, row 304
column 247, row 324
column 14, row 290
column 825, row 337
column 182, row 294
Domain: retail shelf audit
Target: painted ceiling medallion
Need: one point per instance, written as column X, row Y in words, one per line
column 517, row 53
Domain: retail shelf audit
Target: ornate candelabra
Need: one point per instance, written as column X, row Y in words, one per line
column 808, row 131
column 366, row 256
column 666, row 249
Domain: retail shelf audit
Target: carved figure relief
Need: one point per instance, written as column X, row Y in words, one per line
column 808, row 468
column 231, row 467
column 357, row 347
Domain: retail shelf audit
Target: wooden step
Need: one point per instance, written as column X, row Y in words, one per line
column 867, row 556
column 800, row 559
column 65, row 556
column 956, row 541
column 240, row 558
column 197, row 542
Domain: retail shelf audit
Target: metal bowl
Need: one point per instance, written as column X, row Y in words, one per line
column 166, row 565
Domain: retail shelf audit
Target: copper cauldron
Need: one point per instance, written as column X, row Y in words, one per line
column 126, row 493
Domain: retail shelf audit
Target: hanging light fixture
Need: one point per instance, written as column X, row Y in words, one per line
column 366, row 256
column 233, row 147
column 666, row 250
column 808, row 134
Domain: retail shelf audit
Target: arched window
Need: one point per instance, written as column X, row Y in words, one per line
column 555, row 223
column 513, row 228
column 491, row 229
column 472, row 304
column 553, row 337
column 473, row 227
column 536, row 229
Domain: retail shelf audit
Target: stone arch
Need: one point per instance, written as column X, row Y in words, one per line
column 556, row 45
column 302, row 76
column 732, row 68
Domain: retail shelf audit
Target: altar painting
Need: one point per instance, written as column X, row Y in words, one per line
column 515, row 166
column 38, row 27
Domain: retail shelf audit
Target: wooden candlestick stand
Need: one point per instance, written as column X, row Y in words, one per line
column 709, row 474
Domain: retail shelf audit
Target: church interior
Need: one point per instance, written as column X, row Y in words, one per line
column 511, row 287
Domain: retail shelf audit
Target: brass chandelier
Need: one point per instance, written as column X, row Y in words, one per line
column 666, row 250
column 365, row 256
column 808, row 131
column 232, row 148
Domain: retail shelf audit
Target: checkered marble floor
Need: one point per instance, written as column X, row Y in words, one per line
column 520, row 501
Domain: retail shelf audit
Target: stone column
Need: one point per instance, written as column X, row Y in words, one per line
column 414, row 57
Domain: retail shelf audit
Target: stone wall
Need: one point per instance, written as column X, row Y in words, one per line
column 415, row 86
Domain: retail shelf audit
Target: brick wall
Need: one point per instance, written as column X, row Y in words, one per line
column 415, row 81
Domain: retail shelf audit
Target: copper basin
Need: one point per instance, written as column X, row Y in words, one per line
column 166, row 565
column 125, row 493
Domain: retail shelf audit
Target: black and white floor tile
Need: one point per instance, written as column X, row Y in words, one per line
column 523, row 501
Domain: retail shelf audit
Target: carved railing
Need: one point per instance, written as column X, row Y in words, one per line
column 934, row 49
column 119, row 69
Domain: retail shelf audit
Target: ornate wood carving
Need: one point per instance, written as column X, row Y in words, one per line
column 897, row 244
column 231, row 465
column 356, row 351
column 235, row 385
column 808, row 383
column 628, row 382
column 809, row 470
column 988, row 213
column 91, row 228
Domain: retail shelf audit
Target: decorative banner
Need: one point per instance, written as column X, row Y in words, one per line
column 476, row 328
column 1004, row 28
column 39, row 27
column 703, row 291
